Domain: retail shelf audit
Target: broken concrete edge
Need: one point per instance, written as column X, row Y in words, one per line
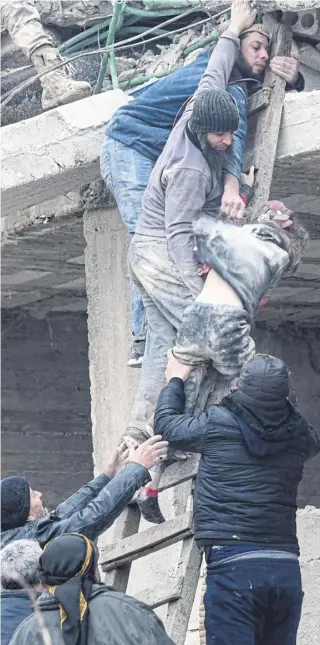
column 39, row 154
column 16, row 223
column 58, row 152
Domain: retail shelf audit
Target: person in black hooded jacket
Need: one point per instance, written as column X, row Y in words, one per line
column 253, row 447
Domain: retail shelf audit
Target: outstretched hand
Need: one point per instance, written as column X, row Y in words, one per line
column 287, row 67
column 177, row 369
column 247, row 178
column 118, row 460
column 150, row 452
column 243, row 15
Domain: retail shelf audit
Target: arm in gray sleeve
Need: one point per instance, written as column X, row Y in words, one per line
column 221, row 62
column 184, row 199
column 219, row 68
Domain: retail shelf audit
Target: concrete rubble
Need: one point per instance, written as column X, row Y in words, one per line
column 137, row 66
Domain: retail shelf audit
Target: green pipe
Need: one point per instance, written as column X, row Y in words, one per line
column 183, row 4
column 117, row 10
column 84, row 35
column 141, row 30
column 201, row 43
column 85, row 43
column 75, row 44
column 140, row 80
column 151, row 14
column 121, row 34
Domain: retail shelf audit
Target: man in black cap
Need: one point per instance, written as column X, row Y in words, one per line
column 253, row 447
column 91, row 510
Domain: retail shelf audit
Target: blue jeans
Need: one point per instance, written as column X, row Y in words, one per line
column 126, row 173
column 254, row 601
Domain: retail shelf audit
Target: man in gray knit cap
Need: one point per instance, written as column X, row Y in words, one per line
column 186, row 181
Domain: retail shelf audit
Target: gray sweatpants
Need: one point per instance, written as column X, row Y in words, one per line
column 23, row 23
column 168, row 303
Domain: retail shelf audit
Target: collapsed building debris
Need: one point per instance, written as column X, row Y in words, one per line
column 79, row 29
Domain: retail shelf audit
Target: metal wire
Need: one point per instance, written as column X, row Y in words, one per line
column 119, row 47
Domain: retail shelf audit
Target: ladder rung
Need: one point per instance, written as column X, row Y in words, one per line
column 259, row 101
column 180, row 472
column 162, row 594
column 151, row 540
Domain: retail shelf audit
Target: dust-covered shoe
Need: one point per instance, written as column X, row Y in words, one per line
column 58, row 86
column 136, row 353
column 148, row 503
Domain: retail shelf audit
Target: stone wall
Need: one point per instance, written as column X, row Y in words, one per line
column 47, row 431
column 46, row 427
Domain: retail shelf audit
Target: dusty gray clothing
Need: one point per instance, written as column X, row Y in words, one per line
column 165, row 297
column 114, row 619
column 23, row 23
column 248, row 258
column 217, row 334
column 182, row 185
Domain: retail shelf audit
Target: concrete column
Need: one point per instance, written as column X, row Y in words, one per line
column 308, row 525
column 112, row 383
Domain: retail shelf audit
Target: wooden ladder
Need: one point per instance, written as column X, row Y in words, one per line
column 129, row 545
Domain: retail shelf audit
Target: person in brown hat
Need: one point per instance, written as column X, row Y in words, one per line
column 254, row 56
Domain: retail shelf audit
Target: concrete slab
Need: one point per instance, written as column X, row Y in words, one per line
column 55, row 152
column 58, row 151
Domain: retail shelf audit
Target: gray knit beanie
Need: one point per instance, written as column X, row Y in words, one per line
column 214, row 111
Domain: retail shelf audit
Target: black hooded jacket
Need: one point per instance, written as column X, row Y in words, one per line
column 253, row 448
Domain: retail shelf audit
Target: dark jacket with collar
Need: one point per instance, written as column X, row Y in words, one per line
column 115, row 618
column 90, row 511
column 15, row 607
column 252, row 457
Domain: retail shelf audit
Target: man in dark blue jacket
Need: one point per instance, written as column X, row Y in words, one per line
column 253, row 447
column 138, row 132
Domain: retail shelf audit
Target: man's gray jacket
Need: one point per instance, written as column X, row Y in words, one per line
column 90, row 511
column 114, row 618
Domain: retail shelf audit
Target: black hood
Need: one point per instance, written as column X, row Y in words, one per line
column 269, row 422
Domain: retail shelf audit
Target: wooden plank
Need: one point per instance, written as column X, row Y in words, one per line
column 259, row 101
column 268, row 126
column 189, row 568
column 162, row 594
column 127, row 524
column 180, row 472
column 150, row 540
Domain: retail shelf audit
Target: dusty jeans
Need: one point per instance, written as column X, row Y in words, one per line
column 165, row 298
column 22, row 20
column 218, row 334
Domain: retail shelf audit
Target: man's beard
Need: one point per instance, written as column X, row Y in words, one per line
column 214, row 158
column 43, row 512
column 246, row 69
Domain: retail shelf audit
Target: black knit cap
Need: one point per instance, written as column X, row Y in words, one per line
column 214, row 111
column 15, row 502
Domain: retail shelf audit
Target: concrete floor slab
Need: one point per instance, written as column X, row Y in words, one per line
column 58, row 151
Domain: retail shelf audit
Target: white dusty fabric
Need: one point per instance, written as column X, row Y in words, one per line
column 23, row 23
